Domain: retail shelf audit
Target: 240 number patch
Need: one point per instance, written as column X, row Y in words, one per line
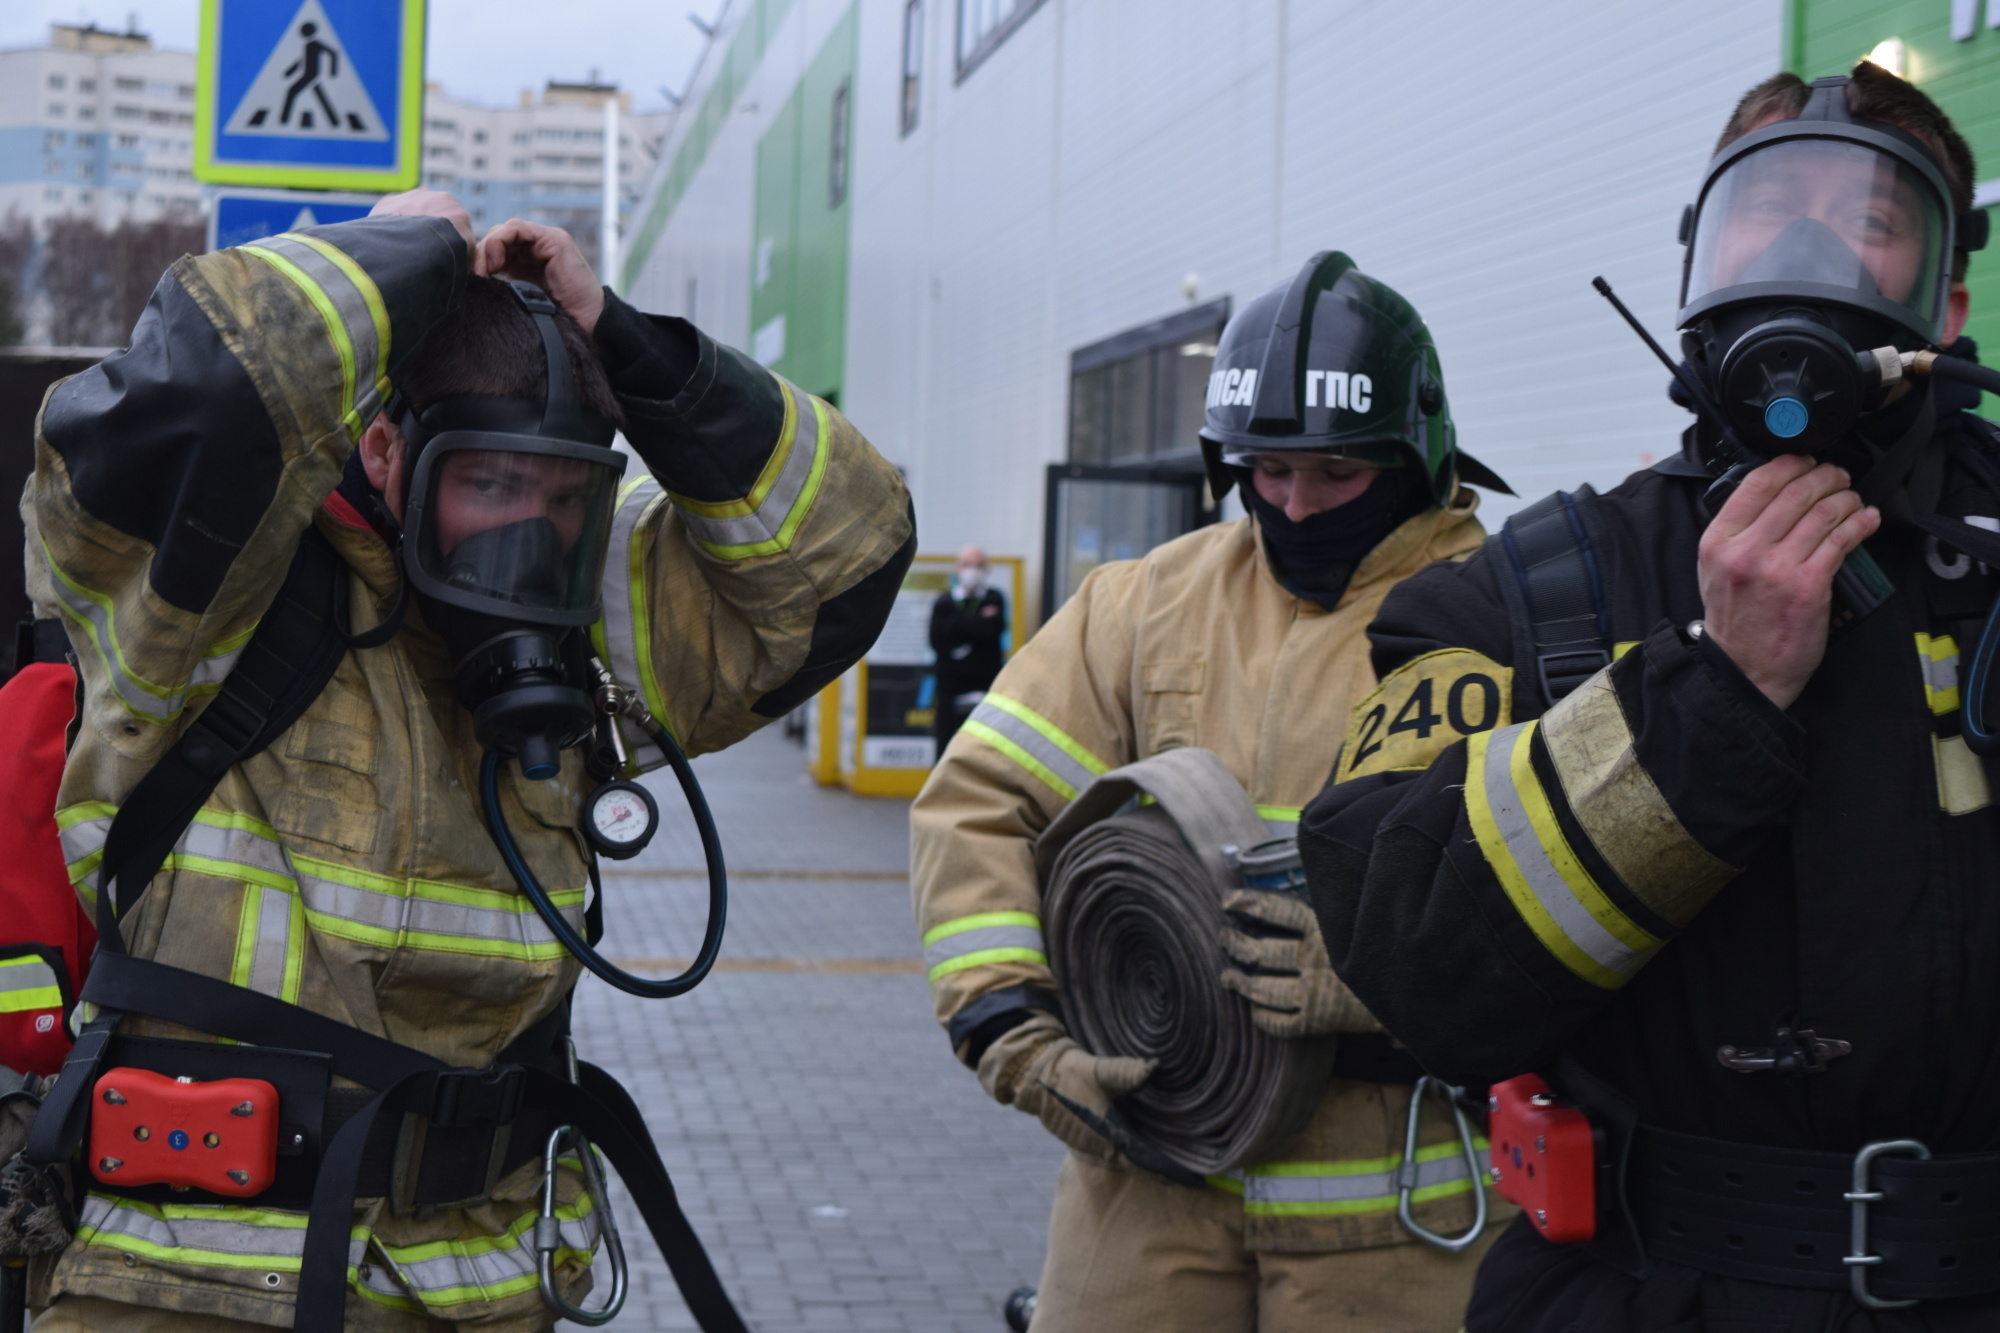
column 1423, row 706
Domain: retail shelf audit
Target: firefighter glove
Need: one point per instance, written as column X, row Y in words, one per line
column 1277, row 961
column 1039, row 1069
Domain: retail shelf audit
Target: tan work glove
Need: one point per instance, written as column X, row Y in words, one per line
column 1278, row 963
column 1037, row 1068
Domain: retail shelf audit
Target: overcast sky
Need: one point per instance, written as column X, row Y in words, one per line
column 481, row 50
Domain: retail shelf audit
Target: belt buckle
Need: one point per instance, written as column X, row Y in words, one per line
column 1858, row 1259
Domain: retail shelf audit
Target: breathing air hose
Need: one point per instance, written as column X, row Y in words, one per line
column 572, row 939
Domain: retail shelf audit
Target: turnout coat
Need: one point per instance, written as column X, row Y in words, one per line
column 346, row 868
column 1665, row 864
column 1197, row 643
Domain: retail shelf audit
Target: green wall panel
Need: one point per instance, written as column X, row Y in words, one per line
column 799, row 240
column 1827, row 36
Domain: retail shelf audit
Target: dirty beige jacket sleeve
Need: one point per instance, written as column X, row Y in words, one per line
column 754, row 560
column 1059, row 714
column 173, row 479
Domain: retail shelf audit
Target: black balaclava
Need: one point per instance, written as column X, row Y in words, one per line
column 1314, row 559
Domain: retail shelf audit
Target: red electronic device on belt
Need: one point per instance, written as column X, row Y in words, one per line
column 220, row 1136
column 1544, row 1158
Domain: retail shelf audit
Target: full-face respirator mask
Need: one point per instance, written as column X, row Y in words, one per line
column 504, row 539
column 1817, row 270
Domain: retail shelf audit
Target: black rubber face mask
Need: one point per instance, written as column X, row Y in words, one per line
column 1315, row 558
column 505, row 537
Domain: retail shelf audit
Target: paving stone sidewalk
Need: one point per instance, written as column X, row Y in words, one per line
column 844, row 1170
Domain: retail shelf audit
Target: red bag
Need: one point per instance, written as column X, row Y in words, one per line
column 45, row 937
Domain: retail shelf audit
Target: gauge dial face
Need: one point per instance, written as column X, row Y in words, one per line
column 620, row 816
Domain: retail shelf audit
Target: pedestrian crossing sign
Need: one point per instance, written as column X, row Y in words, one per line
column 315, row 94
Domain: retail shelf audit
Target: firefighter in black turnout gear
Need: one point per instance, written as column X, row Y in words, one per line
column 1679, row 798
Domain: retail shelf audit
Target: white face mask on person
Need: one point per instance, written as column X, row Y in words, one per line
column 970, row 580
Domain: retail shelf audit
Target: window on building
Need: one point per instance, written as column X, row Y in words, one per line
column 836, row 152
column 86, row 85
column 479, row 136
column 86, row 113
column 984, row 24
column 128, row 141
column 479, row 164
column 55, row 109
column 127, row 85
column 184, row 91
column 127, row 113
column 1138, row 398
column 913, row 61
column 57, row 81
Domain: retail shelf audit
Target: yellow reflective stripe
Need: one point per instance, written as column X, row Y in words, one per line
column 1035, row 743
column 28, row 983
column 739, row 529
column 336, row 328
column 774, row 467
column 202, row 1235
column 1284, row 814
column 93, row 613
column 270, row 942
column 1938, row 658
column 623, row 634
column 1540, row 875
column 1622, row 647
column 981, row 939
column 1338, row 1188
column 445, row 1273
column 371, row 295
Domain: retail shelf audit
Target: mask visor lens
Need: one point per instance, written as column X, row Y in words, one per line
column 526, row 530
column 1828, row 218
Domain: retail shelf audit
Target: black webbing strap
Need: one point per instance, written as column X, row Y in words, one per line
column 40, row 641
column 287, row 662
column 293, row 654
column 1555, row 598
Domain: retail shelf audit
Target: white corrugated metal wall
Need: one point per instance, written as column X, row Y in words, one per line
column 1485, row 159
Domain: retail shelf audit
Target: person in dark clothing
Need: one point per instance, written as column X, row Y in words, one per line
column 968, row 622
column 1732, row 893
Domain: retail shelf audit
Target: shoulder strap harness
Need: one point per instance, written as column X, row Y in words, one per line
column 1555, row 597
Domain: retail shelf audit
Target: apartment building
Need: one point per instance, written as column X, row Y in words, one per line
column 542, row 159
column 99, row 124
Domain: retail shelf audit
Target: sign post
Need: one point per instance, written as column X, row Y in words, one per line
column 242, row 216
column 310, row 94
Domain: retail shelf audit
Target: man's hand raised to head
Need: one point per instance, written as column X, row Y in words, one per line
column 547, row 257
column 426, row 204
column 1766, row 569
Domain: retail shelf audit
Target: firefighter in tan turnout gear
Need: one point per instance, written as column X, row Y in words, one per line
column 1245, row 638
column 748, row 555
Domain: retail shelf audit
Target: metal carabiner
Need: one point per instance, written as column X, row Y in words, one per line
column 548, row 1231
column 1406, row 1171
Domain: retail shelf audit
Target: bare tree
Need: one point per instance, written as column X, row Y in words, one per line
column 17, row 243
column 97, row 281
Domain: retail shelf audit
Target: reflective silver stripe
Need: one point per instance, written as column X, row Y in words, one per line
column 403, row 914
column 142, row 697
column 269, row 963
column 983, row 939
column 1537, row 870
column 750, row 534
column 475, row 1274
column 238, row 846
column 993, row 718
column 85, row 838
column 621, row 627
column 1349, row 1187
column 355, row 316
column 29, row 973
column 216, row 1237
column 1941, row 673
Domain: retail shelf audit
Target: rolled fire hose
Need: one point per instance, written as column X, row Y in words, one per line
column 1132, row 910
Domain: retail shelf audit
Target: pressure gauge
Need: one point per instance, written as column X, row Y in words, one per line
column 619, row 819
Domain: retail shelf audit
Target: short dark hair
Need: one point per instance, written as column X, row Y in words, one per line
column 488, row 345
column 1873, row 93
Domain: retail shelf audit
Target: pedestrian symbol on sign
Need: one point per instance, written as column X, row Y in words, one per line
column 307, row 88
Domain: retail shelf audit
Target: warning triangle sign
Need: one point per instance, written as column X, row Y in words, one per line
column 308, row 88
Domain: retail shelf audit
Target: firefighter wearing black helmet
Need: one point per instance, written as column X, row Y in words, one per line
column 1728, row 891
column 1328, row 408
